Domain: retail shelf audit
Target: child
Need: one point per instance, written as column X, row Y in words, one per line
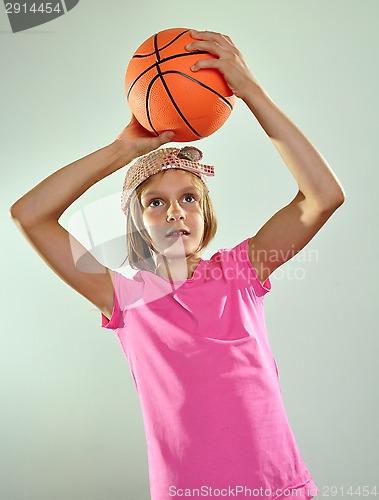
column 193, row 330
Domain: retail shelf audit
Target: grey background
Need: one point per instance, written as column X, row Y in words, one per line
column 70, row 422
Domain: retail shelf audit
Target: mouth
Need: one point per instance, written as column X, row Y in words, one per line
column 178, row 233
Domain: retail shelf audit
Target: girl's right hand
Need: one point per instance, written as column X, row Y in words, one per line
column 136, row 141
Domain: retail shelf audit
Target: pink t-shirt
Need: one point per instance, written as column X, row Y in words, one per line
column 208, row 382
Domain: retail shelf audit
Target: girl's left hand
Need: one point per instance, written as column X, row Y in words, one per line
column 230, row 61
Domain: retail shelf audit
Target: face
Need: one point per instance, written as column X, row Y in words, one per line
column 171, row 201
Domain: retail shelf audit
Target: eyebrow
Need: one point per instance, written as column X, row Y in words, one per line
column 158, row 193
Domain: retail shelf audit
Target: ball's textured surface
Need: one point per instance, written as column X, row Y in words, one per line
column 165, row 94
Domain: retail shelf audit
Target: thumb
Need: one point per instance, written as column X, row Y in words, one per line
column 165, row 137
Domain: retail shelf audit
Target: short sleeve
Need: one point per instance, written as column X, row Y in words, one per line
column 245, row 270
column 117, row 317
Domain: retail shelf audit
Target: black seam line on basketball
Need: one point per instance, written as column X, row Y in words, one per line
column 147, row 103
column 162, row 48
column 201, row 84
column 156, row 50
column 160, row 74
column 172, row 100
column 176, row 106
column 161, row 62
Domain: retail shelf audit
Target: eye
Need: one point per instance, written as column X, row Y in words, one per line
column 153, row 201
column 190, row 196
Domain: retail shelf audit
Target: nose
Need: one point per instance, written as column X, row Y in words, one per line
column 175, row 212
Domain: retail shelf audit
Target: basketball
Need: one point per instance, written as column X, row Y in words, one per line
column 165, row 94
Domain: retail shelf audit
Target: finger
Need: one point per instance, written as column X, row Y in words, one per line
column 165, row 137
column 223, row 40
column 207, row 46
column 134, row 122
column 206, row 63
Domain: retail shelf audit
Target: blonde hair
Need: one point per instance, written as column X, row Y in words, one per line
column 139, row 244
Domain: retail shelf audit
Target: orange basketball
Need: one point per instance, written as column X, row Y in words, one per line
column 165, row 94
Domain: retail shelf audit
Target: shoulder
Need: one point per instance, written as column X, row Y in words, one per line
column 242, row 265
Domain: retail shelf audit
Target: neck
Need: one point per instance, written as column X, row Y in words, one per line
column 177, row 269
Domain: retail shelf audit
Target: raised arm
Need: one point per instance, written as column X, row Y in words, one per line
column 37, row 213
column 320, row 192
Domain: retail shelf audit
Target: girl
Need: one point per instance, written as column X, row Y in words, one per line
column 193, row 330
